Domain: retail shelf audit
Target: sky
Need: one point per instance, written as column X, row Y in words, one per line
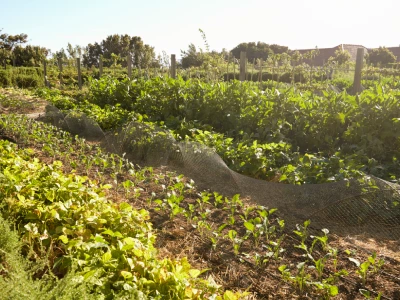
column 172, row 25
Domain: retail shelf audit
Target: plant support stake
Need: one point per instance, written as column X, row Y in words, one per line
column 173, row 66
column 357, row 73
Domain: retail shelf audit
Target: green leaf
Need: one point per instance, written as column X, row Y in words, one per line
column 106, row 257
column 333, row 290
column 228, row 295
column 232, row 234
column 125, row 206
column 282, row 268
column 126, row 274
column 63, row 239
column 365, row 265
column 194, row 273
column 50, row 195
column 341, row 117
column 108, row 232
column 365, row 293
column 249, row 226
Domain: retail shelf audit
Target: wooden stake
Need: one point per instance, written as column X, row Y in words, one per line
column 101, row 65
column 60, row 67
column 357, row 73
column 45, row 73
column 173, row 66
column 78, row 65
column 129, row 62
column 242, row 76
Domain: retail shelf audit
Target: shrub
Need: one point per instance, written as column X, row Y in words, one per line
column 27, row 81
column 342, row 84
column 381, row 57
column 5, row 79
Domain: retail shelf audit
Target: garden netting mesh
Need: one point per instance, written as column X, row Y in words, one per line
column 368, row 206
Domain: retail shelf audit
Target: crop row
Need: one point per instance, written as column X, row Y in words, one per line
column 285, row 135
column 68, row 219
column 68, row 222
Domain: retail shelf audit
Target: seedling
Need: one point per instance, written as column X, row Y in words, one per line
column 302, row 231
column 236, row 242
column 367, row 294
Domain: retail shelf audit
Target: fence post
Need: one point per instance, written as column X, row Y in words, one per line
column 242, row 76
column 78, row 64
column 129, row 62
column 260, row 65
column 101, row 65
column 254, row 67
column 227, row 69
column 234, row 69
column 45, row 73
column 357, row 73
column 60, row 67
column 173, row 66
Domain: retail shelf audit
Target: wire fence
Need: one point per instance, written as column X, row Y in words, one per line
column 66, row 72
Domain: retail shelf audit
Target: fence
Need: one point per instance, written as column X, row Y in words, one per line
column 242, row 69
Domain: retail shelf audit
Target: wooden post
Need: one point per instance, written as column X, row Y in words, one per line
column 357, row 73
column 300, row 75
column 254, row 67
column 260, row 72
column 293, row 75
column 242, row 75
column 78, row 64
column 45, row 73
column 60, row 67
column 227, row 69
column 129, row 62
column 173, row 66
column 101, row 65
column 234, row 69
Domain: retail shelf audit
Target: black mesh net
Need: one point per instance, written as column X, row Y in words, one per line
column 368, row 206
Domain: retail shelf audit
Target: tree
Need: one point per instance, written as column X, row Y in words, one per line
column 258, row 50
column 341, row 57
column 192, row 57
column 30, row 56
column 92, row 55
column 120, row 46
column 382, row 57
column 61, row 54
column 71, row 51
column 8, row 43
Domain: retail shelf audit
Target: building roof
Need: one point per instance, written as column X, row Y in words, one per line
column 326, row 53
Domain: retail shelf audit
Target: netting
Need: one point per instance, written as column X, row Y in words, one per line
column 369, row 206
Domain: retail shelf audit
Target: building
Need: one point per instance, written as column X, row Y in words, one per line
column 326, row 53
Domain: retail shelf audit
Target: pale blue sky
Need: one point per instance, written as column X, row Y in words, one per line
column 172, row 25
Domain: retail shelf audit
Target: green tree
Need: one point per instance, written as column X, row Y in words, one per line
column 382, row 57
column 74, row 53
column 121, row 46
column 258, row 50
column 29, row 56
column 192, row 57
column 341, row 57
column 61, row 54
column 8, row 43
column 92, row 55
